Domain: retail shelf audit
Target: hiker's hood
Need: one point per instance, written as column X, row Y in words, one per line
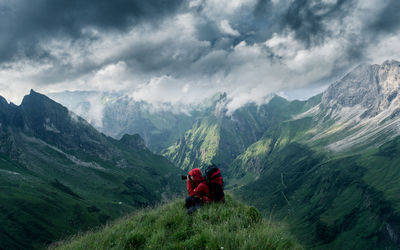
column 196, row 174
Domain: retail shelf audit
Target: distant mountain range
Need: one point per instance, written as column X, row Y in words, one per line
column 331, row 170
column 59, row 175
column 358, row 112
column 116, row 115
column 327, row 165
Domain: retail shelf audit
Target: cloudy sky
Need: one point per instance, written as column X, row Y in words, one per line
column 183, row 51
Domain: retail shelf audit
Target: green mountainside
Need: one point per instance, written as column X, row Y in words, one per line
column 347, row 201
column 328, row 165
column 229, row 225
column 332, row 171
column 219, row 138
column 58, row 175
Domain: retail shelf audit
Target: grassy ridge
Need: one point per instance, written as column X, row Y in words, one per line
column 231, row 225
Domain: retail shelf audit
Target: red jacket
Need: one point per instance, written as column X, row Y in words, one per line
column 197, row 186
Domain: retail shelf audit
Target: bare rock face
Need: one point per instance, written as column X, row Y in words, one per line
column 363, row 108
column 389, row 78
column 360, row 86
column 373, row 88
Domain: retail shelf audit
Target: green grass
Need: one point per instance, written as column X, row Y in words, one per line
column 47, row 196
column 229, row 225
column 219, row 139
column 341, row 202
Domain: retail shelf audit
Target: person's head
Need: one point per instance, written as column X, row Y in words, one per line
column 196, row 175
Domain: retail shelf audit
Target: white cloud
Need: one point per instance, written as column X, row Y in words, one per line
column 225, row 28
column 173, row 62
column 113, row 77
column 225, row 8
column 93, row 112
column 13, row 78
column 166, row 89
column 387, row 48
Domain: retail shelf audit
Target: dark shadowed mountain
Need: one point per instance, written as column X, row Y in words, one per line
column 59, row 175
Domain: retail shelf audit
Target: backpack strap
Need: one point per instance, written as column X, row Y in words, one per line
column 215, row 176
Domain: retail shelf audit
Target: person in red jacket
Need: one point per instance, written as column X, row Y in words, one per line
column 198, row 190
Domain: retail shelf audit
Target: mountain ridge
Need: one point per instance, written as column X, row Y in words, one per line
column 59, row 175
column 229, row 225
column 322, row 161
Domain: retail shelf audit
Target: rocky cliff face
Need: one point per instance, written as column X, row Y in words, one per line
column 370, row 87
column 359, row 87
column 362, row 109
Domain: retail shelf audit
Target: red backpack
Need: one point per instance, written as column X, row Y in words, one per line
column 215, row 183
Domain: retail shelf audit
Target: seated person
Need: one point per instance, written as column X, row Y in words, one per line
column 198, row 190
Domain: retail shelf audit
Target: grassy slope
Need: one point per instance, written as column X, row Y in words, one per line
column 331, row 200
column 53, row 197
column 341, row 202
column 220, row 139
column 231, row 225
column 200, row 145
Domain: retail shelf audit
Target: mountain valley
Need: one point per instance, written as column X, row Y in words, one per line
column 326, row 166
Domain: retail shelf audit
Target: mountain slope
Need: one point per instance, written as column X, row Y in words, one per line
column 355, row 113
column 59, row 175
column 220, row 138
column 333, row 170
column 328, row 164
column 115, row 115
column 349, row 201
column 229, row 225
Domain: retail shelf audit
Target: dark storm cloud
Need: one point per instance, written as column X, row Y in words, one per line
column 23, row 23
column 315, row 23
column 388, row 19
column 308, row 18
column 247, row 48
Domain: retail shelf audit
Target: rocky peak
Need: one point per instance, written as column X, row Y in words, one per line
column 372, row 87
column 40, row 112
column 36, row 99
column 360, row 86
column 389, row 78
column 389, row 71
column 3, row 101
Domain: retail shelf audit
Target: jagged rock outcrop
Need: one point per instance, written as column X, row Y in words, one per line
column 373, row 88
column 360, row 110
